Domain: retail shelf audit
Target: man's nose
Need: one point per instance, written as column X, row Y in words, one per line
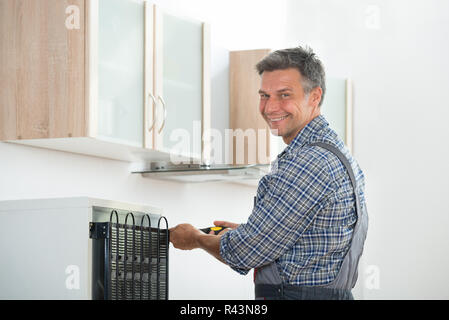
column 271, row 105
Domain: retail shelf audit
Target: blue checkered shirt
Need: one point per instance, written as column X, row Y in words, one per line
column 304, row 213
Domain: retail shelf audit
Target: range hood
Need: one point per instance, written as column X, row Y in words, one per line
column 246, row 174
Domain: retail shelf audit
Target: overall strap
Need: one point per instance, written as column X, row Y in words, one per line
column 348, row 167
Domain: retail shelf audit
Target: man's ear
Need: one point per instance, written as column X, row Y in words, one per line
column 315, row 96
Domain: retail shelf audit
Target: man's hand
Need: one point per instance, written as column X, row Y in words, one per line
column 225, row 224
column 185, row 237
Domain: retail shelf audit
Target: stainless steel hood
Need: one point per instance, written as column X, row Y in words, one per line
column 249, row 174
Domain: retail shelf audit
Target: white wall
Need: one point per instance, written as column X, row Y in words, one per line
column 27, row 172
column 397, row 53
column 400, row 74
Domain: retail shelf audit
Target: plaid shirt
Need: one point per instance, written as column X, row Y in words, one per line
column 304, row 213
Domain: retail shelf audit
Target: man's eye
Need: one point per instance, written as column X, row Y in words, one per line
column 264, row 96
column 285, row 95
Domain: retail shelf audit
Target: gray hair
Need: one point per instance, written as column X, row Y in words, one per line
column 304, row 60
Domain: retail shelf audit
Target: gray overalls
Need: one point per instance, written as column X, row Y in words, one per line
column 268, row 283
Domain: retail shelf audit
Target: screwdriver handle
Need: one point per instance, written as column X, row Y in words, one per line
column 216, row 229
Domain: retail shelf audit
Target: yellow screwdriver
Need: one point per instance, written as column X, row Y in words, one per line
column 216, row 230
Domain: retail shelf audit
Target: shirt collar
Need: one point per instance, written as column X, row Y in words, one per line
column 303, row 137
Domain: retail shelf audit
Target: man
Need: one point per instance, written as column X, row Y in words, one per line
column 306, row 233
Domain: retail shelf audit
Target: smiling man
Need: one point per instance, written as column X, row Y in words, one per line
column 283, row 104
column 308, row 226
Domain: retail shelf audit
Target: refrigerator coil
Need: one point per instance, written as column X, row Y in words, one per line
column 130, row 261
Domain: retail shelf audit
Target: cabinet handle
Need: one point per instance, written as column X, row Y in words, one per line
column 165, row 113
column 154, row 118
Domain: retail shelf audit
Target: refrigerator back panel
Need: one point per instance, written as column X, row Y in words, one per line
column 130, row 257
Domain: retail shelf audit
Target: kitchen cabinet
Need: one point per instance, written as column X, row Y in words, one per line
column 181, row 83
column 259, row 145
column 45, row 245
column 337, row 108
column 120, row 70
column 256, row 145
column 112, row 78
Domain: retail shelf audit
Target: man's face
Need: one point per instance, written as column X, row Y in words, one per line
column 283, row 104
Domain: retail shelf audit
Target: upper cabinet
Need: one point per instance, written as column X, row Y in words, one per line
column 120, row 79
column 181, row 83
column 120, row 70
column 259, row 145
column 337, row 107
column 43, row 68
column 256, row 144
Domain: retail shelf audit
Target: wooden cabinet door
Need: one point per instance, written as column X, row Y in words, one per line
column 42, row 59
column 245, row 115
column 255, row 144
